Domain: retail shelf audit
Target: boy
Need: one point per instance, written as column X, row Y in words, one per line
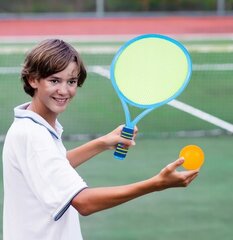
column 43, row 193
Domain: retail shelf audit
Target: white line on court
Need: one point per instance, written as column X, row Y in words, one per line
column 113, row 38
column 181, row 106
column 112, row 49
column 196, row 67
column 202, row 115
column 213, row 67
column 10, row 70
column 82, row 49
column 103, row 71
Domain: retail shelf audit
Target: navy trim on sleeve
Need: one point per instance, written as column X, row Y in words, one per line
column 63, row 210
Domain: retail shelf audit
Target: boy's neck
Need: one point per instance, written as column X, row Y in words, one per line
column 50, row 118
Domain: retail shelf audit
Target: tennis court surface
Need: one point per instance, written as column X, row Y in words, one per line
column 201, row 115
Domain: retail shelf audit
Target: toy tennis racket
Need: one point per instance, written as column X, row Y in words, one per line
column 148, row 72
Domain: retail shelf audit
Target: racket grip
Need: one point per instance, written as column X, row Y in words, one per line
column 121, row 151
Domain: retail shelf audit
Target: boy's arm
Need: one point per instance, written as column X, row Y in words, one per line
column 81, row 154
column 96, row 199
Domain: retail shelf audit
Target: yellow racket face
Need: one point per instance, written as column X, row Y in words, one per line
column 150, row 70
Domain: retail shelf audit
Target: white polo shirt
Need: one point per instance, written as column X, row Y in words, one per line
column 39, row 182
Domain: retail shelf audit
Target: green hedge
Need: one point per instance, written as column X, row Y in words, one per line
column 16, row 6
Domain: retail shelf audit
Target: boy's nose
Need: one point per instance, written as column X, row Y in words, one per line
column 63, row 89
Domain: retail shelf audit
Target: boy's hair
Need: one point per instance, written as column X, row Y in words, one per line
column 49, row 57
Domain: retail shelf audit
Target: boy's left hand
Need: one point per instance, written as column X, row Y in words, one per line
column 113, row 138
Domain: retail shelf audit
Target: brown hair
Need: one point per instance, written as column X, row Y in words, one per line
column 49, row 57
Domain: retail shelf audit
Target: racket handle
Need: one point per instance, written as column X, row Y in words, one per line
column 120, row 152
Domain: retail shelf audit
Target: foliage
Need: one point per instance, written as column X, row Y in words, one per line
column 110, row 5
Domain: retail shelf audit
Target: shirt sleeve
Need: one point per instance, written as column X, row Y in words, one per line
column 49, row 174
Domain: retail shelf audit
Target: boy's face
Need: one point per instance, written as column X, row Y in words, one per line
column 52, row 94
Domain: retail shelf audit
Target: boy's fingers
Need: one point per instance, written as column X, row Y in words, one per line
column 172, row 166
column 191, row 173
column 127, row 142
column 194, row 176
column 191, row 178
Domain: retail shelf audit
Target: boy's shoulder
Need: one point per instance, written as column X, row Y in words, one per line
column 26, row 127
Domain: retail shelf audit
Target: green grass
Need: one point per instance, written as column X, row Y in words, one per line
column 207, row 58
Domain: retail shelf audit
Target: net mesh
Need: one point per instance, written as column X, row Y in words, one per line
column 96, row 109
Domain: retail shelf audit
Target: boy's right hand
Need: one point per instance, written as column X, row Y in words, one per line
column 169, row 177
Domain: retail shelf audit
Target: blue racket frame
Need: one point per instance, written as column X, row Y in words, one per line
column 128, row 130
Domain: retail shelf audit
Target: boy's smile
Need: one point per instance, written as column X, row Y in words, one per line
column 52, row 94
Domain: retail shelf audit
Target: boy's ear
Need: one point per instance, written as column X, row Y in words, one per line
column 33, row 82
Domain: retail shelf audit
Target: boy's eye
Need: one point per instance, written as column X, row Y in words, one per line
column 73, row 82
column 54, row 81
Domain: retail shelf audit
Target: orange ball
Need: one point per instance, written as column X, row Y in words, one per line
column 193, row 157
